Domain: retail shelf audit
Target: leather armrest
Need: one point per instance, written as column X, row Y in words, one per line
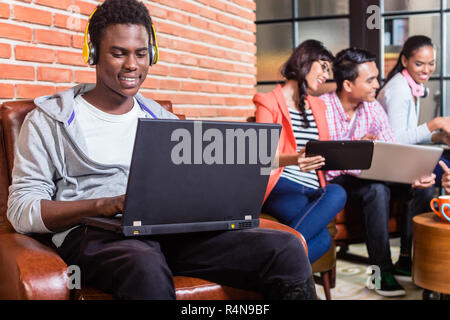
column 270, row 224
column 30, row 270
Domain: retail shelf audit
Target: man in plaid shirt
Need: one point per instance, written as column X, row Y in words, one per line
column 354, row 114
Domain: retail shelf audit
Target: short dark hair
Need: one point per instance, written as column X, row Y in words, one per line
column 346, row 64
column 118, row 12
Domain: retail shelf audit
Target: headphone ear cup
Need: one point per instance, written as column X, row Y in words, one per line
column 153, row 51
column 92, row 55
column 426, row 92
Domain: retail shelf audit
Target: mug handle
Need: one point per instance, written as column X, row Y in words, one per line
column 445, row 205
column 432, row 202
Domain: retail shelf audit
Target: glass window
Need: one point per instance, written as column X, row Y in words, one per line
column 430, row 106
column 447, row 93
column 314, row 8
column 334, row 34
column 275, row 45
column 411, row 5
column 447, row 16
column 398, row 29
column 271, row 10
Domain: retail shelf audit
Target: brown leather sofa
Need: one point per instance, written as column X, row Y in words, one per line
column 30, row 268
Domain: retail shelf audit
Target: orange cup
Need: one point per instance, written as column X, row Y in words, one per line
column 443, row 210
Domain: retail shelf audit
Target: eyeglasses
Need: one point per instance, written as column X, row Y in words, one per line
column 324, row 65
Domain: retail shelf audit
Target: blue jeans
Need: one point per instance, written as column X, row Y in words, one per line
column 307, row 210
column 373, row 197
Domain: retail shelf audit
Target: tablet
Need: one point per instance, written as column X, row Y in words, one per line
column 342, row 155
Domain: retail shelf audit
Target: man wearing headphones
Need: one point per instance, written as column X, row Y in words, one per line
column 73, row 159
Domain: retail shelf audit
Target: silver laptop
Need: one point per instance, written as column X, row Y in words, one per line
column 401, row 163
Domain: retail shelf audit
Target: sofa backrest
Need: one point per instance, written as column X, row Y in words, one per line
column 12, row 114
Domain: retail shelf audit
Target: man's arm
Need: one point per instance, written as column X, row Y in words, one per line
column 62, row 215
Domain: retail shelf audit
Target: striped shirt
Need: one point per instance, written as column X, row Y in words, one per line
column 369, row 118
column 302, row 136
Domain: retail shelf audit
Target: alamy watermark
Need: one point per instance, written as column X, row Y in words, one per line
column 74, row 281
column 374, row 18
column 374, row 279
column 235, row 146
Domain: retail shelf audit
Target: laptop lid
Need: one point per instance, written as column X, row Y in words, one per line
column 401, row 163
column 197, row 175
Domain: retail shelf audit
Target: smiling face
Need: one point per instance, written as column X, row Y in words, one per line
column 318, row 74
column 365, row 86
column 421, row 64
column 123, row 60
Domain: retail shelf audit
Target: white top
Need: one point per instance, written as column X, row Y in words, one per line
column 302, row 136
column 397, row 99
column 109, row 137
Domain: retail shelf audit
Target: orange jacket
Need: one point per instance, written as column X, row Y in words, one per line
column 271, row 107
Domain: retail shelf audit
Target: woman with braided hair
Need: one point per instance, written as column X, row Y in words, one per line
column 296, row 194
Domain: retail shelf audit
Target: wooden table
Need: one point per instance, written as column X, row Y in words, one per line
column 431, row 253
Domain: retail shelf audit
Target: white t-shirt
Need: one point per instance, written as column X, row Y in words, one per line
column 109, row 137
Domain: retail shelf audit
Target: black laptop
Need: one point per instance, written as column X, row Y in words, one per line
column 192, row 176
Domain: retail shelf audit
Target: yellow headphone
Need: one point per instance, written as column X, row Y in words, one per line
column 90, row 53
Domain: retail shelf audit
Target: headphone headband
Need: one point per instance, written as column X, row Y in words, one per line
column 90, row 52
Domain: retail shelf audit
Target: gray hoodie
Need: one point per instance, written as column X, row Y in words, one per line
column 50, row 161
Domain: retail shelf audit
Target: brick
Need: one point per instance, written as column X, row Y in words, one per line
column 54, row 74
column 53, row 37
column 5, row 50
column 85, row 76
column 31, row 91
column 190, row 86
column 169, row 84
column 77, row 41
column 70, row 58
column 189, row 7
column 62, row 88
column 156, row 11
column 168, row 56
column 60, row 4
column 5, row 10
column 10, row 71
column 32, row 15
column 86, row 8
column 70, row 22
column 26, row 53
column 16, row 32
column 177, row 17
column 150, row 83
column 159, row 69
column 7, row 91
column 179, row 72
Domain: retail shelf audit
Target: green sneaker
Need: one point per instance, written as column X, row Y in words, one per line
column 389, row 287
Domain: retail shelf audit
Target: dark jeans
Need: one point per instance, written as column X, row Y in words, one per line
column 307, row 210
column 374, row 197
column 143, row 267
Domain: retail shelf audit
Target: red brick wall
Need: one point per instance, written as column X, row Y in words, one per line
column 207, row 52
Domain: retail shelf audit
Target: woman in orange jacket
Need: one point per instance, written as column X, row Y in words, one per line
column 297, row 194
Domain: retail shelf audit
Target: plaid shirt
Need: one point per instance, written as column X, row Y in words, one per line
column 369, row 118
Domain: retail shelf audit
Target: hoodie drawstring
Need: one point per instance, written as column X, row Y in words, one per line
column 61, row 151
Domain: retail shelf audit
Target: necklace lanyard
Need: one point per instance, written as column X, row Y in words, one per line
column 146, row 109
